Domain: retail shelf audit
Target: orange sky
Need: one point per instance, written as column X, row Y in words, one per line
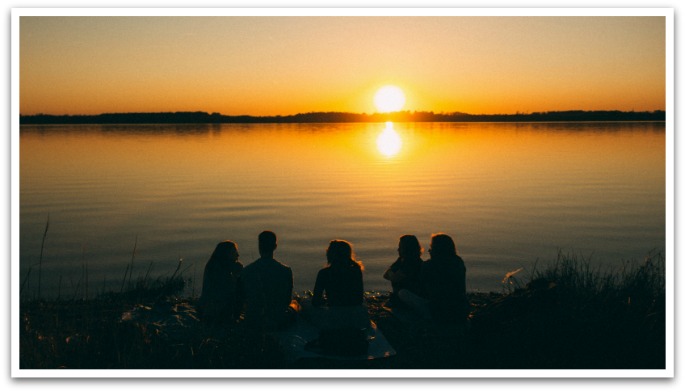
column 288, row 65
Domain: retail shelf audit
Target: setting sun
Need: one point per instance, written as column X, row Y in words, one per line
column 389, row 99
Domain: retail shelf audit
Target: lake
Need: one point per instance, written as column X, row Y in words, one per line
column 509, row 194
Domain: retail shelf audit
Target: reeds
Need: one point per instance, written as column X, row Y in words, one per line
column 632, row 281
column 81, row 288
column 26, row 282
column 573, row 313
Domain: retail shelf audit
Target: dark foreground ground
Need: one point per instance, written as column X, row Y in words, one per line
column 546, row 324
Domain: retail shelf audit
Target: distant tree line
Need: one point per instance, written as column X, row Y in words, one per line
column 337, row 117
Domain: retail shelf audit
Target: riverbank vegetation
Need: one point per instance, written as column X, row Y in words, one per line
column 566, row 315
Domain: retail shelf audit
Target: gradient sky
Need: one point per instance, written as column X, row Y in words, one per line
column 288, row 65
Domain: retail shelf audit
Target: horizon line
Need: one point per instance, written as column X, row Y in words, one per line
column 399, row 112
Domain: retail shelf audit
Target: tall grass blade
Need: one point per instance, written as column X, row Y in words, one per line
column 147, row 273
column 78, row 287
column 123, row 281
column 25, row 282
column 133, row 256
column 129, row 267
column 84, row 263
column 40, row 260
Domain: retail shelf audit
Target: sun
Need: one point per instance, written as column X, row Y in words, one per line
column 389, row 99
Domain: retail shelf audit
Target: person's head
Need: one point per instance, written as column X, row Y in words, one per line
column 442, row 246
column 267, row 243
column 226, row 251
column 340, row 253
column 409, row 247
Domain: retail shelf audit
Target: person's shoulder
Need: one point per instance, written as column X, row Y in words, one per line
column 282, row 266
column 324, row 271
column 251, row 266
column 211, row 263
column 428, row 266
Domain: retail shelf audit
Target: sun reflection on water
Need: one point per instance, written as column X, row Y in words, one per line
column 389, row 142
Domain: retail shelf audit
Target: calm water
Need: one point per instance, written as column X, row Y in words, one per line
column 509, row 194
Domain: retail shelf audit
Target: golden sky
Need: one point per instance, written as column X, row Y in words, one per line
column 271, row 65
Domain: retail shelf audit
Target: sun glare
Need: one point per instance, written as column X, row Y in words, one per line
column 389, row 99
column 389, row 142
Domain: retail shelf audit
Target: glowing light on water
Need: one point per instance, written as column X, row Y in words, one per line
column 389, row 142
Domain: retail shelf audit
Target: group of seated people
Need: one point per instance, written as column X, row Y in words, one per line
column 262, row 292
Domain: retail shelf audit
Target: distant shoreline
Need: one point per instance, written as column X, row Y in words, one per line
column 339, row 117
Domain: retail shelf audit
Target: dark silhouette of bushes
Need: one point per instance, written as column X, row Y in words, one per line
column 340, row 117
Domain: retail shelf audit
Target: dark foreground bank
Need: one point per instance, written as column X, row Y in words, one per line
column 567, row 316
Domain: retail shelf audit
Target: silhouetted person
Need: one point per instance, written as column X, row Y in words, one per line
column 338, row 298
column 443, row 284
column 404, row 272
column 340, row 283
column 268, row 288
column 222, row 298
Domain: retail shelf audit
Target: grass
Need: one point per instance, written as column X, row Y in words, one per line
column 568, row 315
